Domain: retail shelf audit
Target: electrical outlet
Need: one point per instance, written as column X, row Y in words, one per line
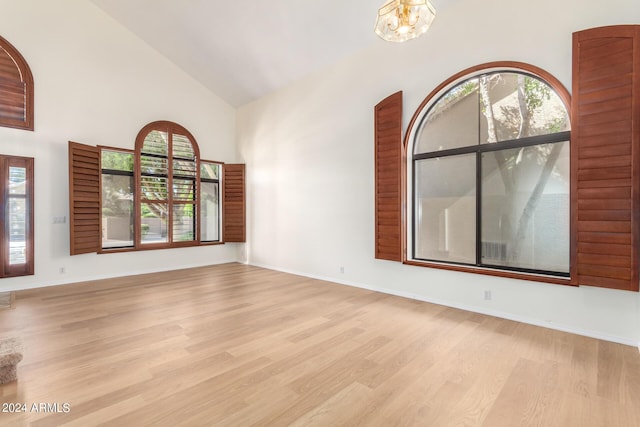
column 63, row 270
column 487, row 295
column 342, row 270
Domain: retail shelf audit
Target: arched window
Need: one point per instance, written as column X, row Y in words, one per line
column 159, row 195
column 490, row 172
column 167, row 183
column 16, row 88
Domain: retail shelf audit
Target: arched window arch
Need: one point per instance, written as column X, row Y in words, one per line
column 167, row 183
column 489, row 171
column 16, row 88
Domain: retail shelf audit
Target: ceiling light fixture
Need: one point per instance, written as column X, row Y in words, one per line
column 402, row 20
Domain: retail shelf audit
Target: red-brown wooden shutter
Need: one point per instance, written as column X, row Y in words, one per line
column 605, row 156
column 388, row 178
column 84, row 198
column 16, row 89
column 233, row 203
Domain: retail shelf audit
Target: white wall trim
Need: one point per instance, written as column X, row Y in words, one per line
column 466, row 307
column 76, row 280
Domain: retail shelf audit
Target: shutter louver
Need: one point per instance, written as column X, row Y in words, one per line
column 84, row 198
column 233, row 203
column 16, row 89
column 605, row 156
column 388, row 178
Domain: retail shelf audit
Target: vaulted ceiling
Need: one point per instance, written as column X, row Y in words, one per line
column 242, row 50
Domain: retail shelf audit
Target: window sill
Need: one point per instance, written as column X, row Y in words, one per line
column 496, row 273
column 153, row 247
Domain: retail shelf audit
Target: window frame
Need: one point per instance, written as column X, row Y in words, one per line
column 138, row 200
column 102, row 148
column 219, row 182
column 27, row 268
column 408, row 178
column 171, row 128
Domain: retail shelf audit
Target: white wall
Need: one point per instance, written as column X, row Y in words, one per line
column 309, row 155
column 98, row 84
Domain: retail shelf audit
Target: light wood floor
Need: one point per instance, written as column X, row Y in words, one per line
column 239, row 346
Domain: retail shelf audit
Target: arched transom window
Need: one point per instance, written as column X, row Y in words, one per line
column 491, row 175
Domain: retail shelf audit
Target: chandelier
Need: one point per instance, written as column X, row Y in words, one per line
column 402, row 20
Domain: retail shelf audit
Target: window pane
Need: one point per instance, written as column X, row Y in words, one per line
column 520, row 106
column 156, row 142
column 153, row 165
column 17, row 230
column 525, row 207
column 184, row 168
column 209, row 212
column 452, row 121
column 209, row 170
column 117, row 160
column 182, row 147
column 17, row 180
column 445, row 209
column 183, row 189
column 153, row 188
column 117, row 211
column 183, row 224
column 154, row 222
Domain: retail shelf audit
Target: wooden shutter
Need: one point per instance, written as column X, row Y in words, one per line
column 84, row 198
column 16, row 89
column 388, row 178
column 233, row 203
column 605, row 156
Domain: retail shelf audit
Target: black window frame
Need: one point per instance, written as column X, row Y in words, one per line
column 478, row 150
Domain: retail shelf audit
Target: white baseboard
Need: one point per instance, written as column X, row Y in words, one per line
column 466, row 307
column 47, row 284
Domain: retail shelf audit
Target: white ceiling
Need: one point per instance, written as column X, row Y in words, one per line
column 242, row 50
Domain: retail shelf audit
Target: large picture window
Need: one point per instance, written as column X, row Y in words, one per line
column 161, row 194
column 491, row 175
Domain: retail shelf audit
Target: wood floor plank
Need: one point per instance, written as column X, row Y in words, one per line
column 235, row 345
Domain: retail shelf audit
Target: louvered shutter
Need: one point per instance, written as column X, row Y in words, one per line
column 16, row 89
column 84, row 198
column 605, row 156
column 388, row 178
column 233, row 203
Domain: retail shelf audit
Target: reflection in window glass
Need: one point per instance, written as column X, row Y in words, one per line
column 117, row 211
column 153, row 188
column 209, row 170
column 183, row 224
column 17, row 216
column 17, row 180
column 117, row 160
column 17, row 230
column 156, row 143
column 452, row 121
column 183, row 189
column 521, row 227
column 209, row 212
column 498, row 197
column 446, row 209
column 182, row 147
column 153, row 222
column 516, row 106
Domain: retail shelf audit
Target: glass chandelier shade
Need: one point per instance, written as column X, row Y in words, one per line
column 402, row 20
